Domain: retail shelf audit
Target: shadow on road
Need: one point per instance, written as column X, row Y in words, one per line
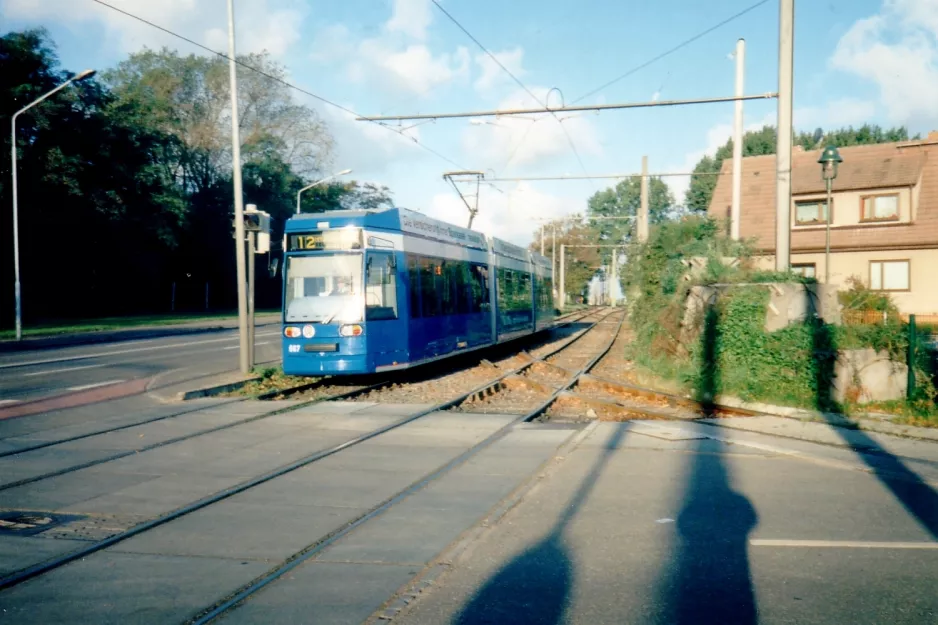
column 535, row 586
column 708, row 580
column 907, row 487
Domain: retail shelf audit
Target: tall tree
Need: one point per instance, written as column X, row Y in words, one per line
column 98, row 216
column 761, row 142
column 624, row 200
column 188, row 97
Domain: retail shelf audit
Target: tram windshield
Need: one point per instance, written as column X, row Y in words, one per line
column 324, row 289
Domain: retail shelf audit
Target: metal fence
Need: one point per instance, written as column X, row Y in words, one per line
column 873, row 317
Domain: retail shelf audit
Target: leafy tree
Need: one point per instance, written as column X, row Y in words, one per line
column 188, row 97
column 97, row 214
column 624, row 200
column 761, row 142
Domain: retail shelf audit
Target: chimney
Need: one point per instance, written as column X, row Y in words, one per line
column 932, row 136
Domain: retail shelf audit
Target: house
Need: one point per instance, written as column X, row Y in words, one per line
column 884, row 218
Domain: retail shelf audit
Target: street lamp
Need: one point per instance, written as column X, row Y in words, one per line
column 88, row 73
column 830, row 159
column 344, row 172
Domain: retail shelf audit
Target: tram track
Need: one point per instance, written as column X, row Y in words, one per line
column 319, row 391
column 41, row 568
column 310, row 552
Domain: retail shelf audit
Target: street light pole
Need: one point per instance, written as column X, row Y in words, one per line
column 318, row 182
column 88, row 73
column 830, row 159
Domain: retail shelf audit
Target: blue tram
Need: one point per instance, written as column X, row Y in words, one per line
column 378, row 290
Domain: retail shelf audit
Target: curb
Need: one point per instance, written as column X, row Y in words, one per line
column 218, row 389
column 866, row 424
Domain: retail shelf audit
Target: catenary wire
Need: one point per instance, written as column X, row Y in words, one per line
column 670, row 51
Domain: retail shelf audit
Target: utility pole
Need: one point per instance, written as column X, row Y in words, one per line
column 563, row 290
column 615, row 276
column 553, row 256
column 738, row 141
column 252, row 246
column 542, row 238
column 244, row 355
column 643, row 209
column 786, row 35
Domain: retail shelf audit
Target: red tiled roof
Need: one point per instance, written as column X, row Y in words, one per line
column 864, row 167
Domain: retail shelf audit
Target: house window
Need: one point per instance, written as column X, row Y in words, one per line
column 810, row 212
column 805, row 270
column 889, row 275
column 879, row 207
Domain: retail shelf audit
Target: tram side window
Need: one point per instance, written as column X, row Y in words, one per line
column 448, row 287
column 429, row 297
column 525, row 297
column 480, row 288
column 381, row 288
column 413, row 274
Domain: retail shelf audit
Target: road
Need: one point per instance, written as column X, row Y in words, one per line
column 42, row 373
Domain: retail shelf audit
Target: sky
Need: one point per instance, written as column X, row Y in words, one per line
column 856, row 62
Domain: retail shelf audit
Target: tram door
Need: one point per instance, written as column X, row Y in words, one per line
column 385, row 331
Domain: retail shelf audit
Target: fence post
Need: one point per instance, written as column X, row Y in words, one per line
column 910, row 384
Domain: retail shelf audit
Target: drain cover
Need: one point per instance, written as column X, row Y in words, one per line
column 24, row 523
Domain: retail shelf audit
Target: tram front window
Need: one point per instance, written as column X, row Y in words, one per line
column 324, row 289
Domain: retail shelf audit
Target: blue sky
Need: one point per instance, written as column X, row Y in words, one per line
column 856, row 61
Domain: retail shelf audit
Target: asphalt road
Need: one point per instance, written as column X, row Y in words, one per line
column 42, row 373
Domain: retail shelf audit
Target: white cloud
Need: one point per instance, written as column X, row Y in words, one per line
column 366, row 147
column 512, row 215
column 897, row 50
column 505, row 141
column 410, row 17
column 271, row 25
column 414, row 68
column 492, row 75
column 332, row 43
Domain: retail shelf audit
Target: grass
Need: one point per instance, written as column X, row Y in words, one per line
column 921, row 413
column 272, row 379
column 104, row 324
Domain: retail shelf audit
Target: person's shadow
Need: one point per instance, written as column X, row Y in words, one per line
column 534, row 587
column 709, row 580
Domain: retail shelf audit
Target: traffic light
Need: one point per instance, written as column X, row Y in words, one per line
column 255, row 220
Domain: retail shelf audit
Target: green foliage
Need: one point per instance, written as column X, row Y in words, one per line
column 861, row 298
column 763, row 141
column 732, row 353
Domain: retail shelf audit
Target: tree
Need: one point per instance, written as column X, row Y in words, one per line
column 624, row 200
column 188, row 97
column 97, row 214
column 761, row 142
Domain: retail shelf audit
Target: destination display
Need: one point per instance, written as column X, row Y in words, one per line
column 318, row 240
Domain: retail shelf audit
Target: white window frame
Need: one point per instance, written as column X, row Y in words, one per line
column 878, row 266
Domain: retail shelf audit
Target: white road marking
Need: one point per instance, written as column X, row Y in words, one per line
column 255, row 345
column 85, row 387
column 5, row 402
column 51, row 371
column 843, row 544
column 118, row 352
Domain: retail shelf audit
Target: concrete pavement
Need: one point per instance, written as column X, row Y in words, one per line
column 639, row 528
column 645, row 522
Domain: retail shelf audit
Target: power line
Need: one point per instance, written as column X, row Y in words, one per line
column 683, row 44
column 563, row 128
column 276, row 79
column 664, row 174
column 581, row 107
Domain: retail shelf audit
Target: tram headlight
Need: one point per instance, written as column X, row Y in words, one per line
column 351, row 330
column 291, row 332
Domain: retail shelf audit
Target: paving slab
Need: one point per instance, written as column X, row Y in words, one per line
column 66, row 490
column 109, row 588
column 622, row 534
column 325, row 594
column 19, row 552
column 238, row 529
